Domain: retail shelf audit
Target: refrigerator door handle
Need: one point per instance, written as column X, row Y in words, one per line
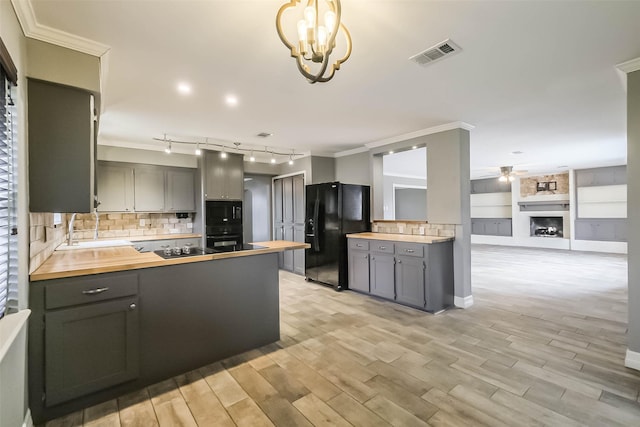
column 316, row 240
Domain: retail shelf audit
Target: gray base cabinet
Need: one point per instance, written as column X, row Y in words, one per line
column 602, row 229
column 413, row 274
column 94, row 338
column 491, row 226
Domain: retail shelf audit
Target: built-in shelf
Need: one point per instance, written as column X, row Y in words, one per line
column 544, row 205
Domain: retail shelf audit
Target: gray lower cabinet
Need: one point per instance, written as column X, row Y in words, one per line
column 491, row 226
column 382, row 275
column 410, row 280
column 97, row 337
column 414, row 274
column 89, row 335
column 601, row 229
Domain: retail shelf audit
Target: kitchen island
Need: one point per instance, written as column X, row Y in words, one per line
column 112, row 320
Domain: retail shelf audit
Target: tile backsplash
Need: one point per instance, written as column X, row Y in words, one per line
column 414, row 228
column 45, row 236
column 131, row 225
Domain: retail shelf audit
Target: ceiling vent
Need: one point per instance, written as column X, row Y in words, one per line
column 444, row 49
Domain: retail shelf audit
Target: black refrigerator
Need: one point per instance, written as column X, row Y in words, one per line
column 333, row 210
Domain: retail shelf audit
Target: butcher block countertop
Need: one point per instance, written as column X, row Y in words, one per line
column 81, row 262
column 407, row 238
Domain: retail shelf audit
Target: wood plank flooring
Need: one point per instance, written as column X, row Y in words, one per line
column 544, row 344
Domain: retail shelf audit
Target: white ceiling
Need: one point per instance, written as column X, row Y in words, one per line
column 537, row 77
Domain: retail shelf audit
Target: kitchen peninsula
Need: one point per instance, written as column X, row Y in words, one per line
column 108, row 321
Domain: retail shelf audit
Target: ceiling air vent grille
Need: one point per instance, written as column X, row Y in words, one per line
column 435, row 53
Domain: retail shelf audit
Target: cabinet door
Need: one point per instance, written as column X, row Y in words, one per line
column 504, row 227
column 298, row 200
column 359, row 271
column 477, row 226
column 235, row 177
column 89, row 348
column 115, row 188
column 288, row 255
column 287, row 200
column 149, row 189
column 61, row 148
column 382, row 275
column 298, row 254
column 181, row 193
column 278, row 214
column 491, row 227
column 410, row 280
column 215, row 179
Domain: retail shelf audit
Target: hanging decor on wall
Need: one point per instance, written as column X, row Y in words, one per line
column 316, row 37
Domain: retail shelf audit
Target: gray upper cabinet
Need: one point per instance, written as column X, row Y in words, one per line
column 181, row 191
column 62, row 145
column 128, row 187
column 115, row 188
column 149, row 189
column 612, row 175
column 224, row 178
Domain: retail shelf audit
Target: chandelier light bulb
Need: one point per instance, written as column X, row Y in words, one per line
column 302, row 31
column 511, row 178
column 310, row 16
column 503, row 178
column 330, row 21
column 322, row 39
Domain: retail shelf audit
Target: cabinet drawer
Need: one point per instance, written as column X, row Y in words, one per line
column 381, row 246
column 83, row 290
column 410, row 249
column 359, row 244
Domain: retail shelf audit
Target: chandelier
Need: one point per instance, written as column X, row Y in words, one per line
column 506, row 174
column 316, row 39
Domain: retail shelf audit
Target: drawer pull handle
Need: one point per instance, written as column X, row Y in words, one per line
column 359, row 245
column 382, row 247
column 95, row 291
column 409, row 250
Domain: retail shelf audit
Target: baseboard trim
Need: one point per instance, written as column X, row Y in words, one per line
column 28, row 421
column 632, row 360
column 465, row 302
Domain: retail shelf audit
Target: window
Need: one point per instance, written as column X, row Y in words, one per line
column 8, row 198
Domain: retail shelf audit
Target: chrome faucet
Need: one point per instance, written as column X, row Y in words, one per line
column 71, row 221
column 95, row 231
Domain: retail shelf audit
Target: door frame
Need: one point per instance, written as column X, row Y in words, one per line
column 273, row 194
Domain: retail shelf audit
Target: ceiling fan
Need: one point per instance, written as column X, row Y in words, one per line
column 505, row 174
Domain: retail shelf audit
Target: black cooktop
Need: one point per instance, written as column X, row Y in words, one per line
column 205, row 251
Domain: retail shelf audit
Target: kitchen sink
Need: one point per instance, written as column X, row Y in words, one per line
column 91, row 244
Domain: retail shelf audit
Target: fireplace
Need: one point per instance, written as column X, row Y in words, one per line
column 546, row 226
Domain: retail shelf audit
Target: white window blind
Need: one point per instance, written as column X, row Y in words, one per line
column 8, row 197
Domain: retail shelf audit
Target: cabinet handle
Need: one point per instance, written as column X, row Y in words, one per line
column 359, row 245
column 132, row 306
column 366, row 256
column 382, row 247
column 95, row 291
column 399, row 261
column 409, row 251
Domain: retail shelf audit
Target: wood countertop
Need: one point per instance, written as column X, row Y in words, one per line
column 81, row 262
column 400, row 237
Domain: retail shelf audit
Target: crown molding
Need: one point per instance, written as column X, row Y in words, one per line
column 423, row 132
column 629, row 66
column 33, row 29
column 351, row 152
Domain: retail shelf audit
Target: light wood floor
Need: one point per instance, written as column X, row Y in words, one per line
column 544, row 344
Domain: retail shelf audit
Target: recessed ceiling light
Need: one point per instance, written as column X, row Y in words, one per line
column 231, row 100
column 184, row 88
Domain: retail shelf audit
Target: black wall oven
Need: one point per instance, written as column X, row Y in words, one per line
column 223, row 223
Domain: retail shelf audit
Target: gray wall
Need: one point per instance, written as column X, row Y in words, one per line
column 323, row 169
column 134, row 155
column 411, row 203
column 354, row 169
column 633, row 205
column 257, row 208
column 389, row 181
